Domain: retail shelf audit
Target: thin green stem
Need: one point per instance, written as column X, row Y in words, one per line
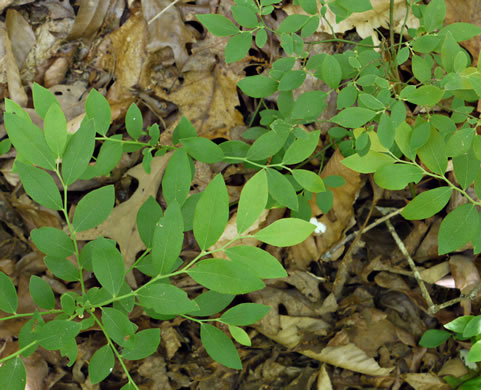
column 116, row 352
column 256, row 112
column 20, row 351
column 21, row 315
column 147, row 251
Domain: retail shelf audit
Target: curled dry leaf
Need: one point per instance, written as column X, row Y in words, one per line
column 89, row 18
column 21, row 35
column 465, row 273
column 426, row 382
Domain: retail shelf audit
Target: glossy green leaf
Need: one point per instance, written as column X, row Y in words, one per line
column 148, row 215
column 78, row 152
column 177, row 178
column 240, row 335
column 225, row 276
column 142, row 344
column 353, row 117
column 109, row 268
column 474, row 354
column 117, row 324
column 185, row 129
column 433, row 338
column 309, row 180
column 8, row 295
column 165, row 299
column 452, row 232
column 101, row 364
column 41, row 293
column 219, row 346
column 397, row 176
column 427, row 204
column 57, row 333
column 244, row 314
column 258, row 86
column 39, row 185
column 252, row 202
column 134, row 121
column 29, row 141
column 473, row 327
column 203, row 149
column 62, row 268
column 211, row 302
column 42, row 99
column 52, row 241
column 97, row 108
column 301, row 148
column 211, row 213
column 285, row 232
column 238, row 47
column 261, row 263
column 55, row 132
column 218, row 24
column 94, row 208
column 13, row 375
column 281, row 189
column 167, row 239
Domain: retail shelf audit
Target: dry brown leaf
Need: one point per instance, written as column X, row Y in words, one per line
column 323, row 380
column 89, row 18
column 121, row 225
column 426, row 382
column 21, row 35
column 350, row 357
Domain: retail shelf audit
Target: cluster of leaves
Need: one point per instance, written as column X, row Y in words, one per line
column 54, row 152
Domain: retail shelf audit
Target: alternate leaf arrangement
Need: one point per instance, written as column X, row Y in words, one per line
column 373, row 130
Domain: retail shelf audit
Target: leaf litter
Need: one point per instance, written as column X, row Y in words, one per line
column 311, row 339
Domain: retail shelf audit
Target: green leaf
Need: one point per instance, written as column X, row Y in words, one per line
column 421, row 68
column 261, row 263
column 292, row 79
column 402, row 56
column 452, row 232
column 218, row 25
column 109, row 155
column 8, row 295
column 244, row 314
column 353, row 117
column 261, row 38
column 309, row 106
column 167, row 240
column 142, row 344
column 386, row 131
column 252, row 202
column 461, row 31
column 433, row 338
column 188, row 211
column 148, row 215
column 165, row 299
column 427, row 204
column 434, row 15
column 370, row 101
column 211, row 213
column 397, row 176
column 42, row 99
column 309, row 180
column 238, row 47
column 203, row 149
column 474, row 354
column 426, row 43
column 185, row 129
column 311, row 26
column 225, row 276
column 433, row 154
column 240, row 335
column 292, row 23
column 177, row 178
column 258, row 86
column 98, row 109
column 117, row 325
column 57, row 333
column 271, row 142
column 39, row 185
column 281, row 189
column 13, row 375
column 55, row 126
column 211, row 302
column 61, row 268
column 325, row 200
column 219, row 346
column 52, row 241
column 285, row 232
column 101, row 364
column 78, row 152
column 109, row 268
column 29, row 141
column 473, row 327
column 41, row 293
column 369, row 163
column 245, row 16
column 466, row 167
column 67, row 302
column 301, row 148
column 94, row 208
column 426, row 95
column 458, row 324
column 310, row 6
column 15, row 108
column 420, row 135
column 134, row 121
column 331, row 71
column 346, row 97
